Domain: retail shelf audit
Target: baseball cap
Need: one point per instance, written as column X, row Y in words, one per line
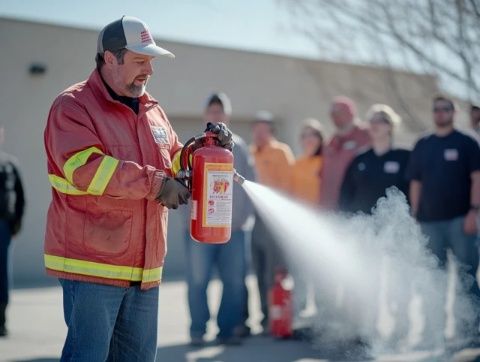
column 221, row 98
column 130, row 33
column 386, row 113
column 263, row 117
column 346, row 104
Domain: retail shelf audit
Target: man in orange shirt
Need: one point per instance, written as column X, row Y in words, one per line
column 273, row 160
column 348, row 141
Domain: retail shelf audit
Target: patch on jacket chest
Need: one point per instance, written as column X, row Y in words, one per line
column 160, row 135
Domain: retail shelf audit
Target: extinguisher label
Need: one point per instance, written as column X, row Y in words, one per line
column 218, row 195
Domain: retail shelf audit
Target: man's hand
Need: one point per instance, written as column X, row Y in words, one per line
column 470, row 223
column 224, row 135
column 172, row 193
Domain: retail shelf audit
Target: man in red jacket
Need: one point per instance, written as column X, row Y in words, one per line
column 348, row 141
column 110, row 148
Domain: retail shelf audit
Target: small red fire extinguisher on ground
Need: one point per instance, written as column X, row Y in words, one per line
column 207, row 170
column 280, row 312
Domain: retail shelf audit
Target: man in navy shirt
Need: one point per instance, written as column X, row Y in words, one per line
column 444, row 174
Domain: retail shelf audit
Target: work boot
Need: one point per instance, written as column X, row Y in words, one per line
column 3, row 319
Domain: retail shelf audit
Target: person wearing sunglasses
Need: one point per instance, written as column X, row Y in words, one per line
column 444, row 174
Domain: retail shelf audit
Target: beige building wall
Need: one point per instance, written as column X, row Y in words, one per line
column 291, row 88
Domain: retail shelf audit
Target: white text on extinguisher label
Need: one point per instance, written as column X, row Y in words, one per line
column 218, row 195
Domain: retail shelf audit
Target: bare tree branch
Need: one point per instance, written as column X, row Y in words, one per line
column 438, row 37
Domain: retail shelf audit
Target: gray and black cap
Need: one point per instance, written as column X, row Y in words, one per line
column 129, row 33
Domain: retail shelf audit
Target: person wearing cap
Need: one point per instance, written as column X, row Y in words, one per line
column 230, row 259
column 366, row 180
column 273, row 161
column 12, row 207
column 348, row 141
column 378, row 168
column 109, row 151
column 444, row 175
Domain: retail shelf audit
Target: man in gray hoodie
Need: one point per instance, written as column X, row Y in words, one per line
column 230, row 259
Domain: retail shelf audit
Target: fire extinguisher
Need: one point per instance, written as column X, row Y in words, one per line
column 280, row 312
column 207, row 170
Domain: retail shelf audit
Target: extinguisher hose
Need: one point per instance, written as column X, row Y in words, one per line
column 185, row 154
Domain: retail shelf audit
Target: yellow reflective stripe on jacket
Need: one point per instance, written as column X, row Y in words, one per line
column 63, row 186
column 77, row 160
column 99, row 181
column 176, row 166
column 102, row 176
column 152, row 275
column 102, row 270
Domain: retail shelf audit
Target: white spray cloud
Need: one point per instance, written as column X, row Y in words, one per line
column 378, row 264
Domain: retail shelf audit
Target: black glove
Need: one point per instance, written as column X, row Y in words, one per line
column 224, row 135
column 172, row 193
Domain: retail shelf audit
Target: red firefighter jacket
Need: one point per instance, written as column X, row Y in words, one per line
column 106, row 165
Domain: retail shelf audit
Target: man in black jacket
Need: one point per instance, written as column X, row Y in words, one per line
column 11, row 212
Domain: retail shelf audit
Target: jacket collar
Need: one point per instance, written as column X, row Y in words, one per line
column 96, row 82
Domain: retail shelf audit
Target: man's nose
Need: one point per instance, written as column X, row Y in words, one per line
column 149, row 68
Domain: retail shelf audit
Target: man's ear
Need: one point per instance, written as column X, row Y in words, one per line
column 109, row 57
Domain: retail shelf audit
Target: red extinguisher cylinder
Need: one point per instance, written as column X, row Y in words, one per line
column 212, row 186
column 280, row 307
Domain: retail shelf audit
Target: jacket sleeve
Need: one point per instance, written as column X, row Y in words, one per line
column 79, row 165
column 19, row 197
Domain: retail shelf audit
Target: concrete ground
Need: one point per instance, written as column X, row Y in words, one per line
column 37, row 331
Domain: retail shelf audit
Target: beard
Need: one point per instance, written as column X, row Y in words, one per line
column 136, row 90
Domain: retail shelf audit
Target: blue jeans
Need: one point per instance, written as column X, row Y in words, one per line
column 449, row 234
column 107, row 323
column 230, row 261
column 5, row 238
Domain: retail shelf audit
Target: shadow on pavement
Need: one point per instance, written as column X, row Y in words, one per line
column 255, row 349
column 46, row 359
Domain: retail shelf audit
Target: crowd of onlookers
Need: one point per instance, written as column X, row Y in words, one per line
column 348, row 172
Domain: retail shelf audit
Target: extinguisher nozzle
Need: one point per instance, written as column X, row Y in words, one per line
column 238, row 178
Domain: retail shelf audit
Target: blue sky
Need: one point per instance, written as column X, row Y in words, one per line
column 260, row 25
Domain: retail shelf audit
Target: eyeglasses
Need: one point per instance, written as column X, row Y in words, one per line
column 442, row 109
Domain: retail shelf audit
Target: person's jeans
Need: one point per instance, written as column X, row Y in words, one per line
column 230, row 261
column 5, row 238
column 449, row 234
column 108, row 323
column 266, row 259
